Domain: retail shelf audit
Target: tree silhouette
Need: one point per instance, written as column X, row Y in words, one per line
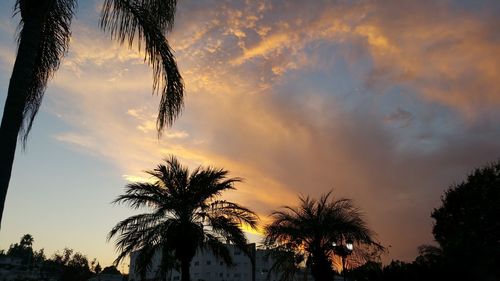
column 23, row 250
column 65, row 266
column 467, row 225
column 306, row 234
column 187, row 214
column 44, row 34
column 71, row 266
column 95, row 266
column 110, row 270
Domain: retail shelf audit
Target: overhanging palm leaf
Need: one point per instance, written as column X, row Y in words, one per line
column 145, row 22
column 186, row 215
column 217, row 248
column 53, row 44
column 45, row 29
column 286, row 262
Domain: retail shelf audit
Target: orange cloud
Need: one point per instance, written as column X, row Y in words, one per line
column 445, row 54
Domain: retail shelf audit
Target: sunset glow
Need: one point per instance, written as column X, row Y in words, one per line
column 384, row 102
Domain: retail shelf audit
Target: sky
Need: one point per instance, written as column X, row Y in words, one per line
column 385, row 102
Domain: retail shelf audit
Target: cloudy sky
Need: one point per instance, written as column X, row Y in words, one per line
column 385, row 102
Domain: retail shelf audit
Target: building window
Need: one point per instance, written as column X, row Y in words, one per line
column 209, row 262
column 196, row 263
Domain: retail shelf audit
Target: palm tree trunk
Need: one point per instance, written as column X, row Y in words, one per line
column 16, row 99
column 185, row 275
column 321, row 268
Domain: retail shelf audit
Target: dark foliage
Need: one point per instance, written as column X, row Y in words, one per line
column 110, row 270
column 64, row 266
column 427, row 266
column 23, row 250
column 467, row 225
column 70, row 266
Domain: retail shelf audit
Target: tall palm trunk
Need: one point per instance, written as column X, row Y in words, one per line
column 185, row 265
column 321, row 268
column 13, row 113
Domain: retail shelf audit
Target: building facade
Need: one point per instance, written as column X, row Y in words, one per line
column 206, row 267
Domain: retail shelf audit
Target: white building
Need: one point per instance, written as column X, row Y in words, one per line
column 206, row 267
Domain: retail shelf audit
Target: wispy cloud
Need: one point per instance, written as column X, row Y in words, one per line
column 79, row 140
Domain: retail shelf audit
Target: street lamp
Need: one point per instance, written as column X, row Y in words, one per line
column 343, row 251
column 349, row 246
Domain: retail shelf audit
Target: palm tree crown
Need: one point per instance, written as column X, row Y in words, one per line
column 305, row 234
column 187, row 214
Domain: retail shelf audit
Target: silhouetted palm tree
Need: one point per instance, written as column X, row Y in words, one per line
column 45, row 30
column 304, row 235
column 187, row 214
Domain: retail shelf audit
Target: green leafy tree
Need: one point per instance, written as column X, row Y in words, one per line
column 467, row 225
column 44, row 34
column 309, row 231
column 186, row 214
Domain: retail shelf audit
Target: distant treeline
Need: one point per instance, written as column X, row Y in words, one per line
column 21, row 263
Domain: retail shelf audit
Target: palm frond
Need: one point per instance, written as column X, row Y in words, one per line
column 285, row 263
column 53, row 44
column 171, row 176
column 167, row 262
column 217, row 248
column 145, row 23
column 210, row 182
column 133, row 236
column 143, row 260
column 136, row 223
column 139, row 195
column 235, row 212
column 230, row 230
